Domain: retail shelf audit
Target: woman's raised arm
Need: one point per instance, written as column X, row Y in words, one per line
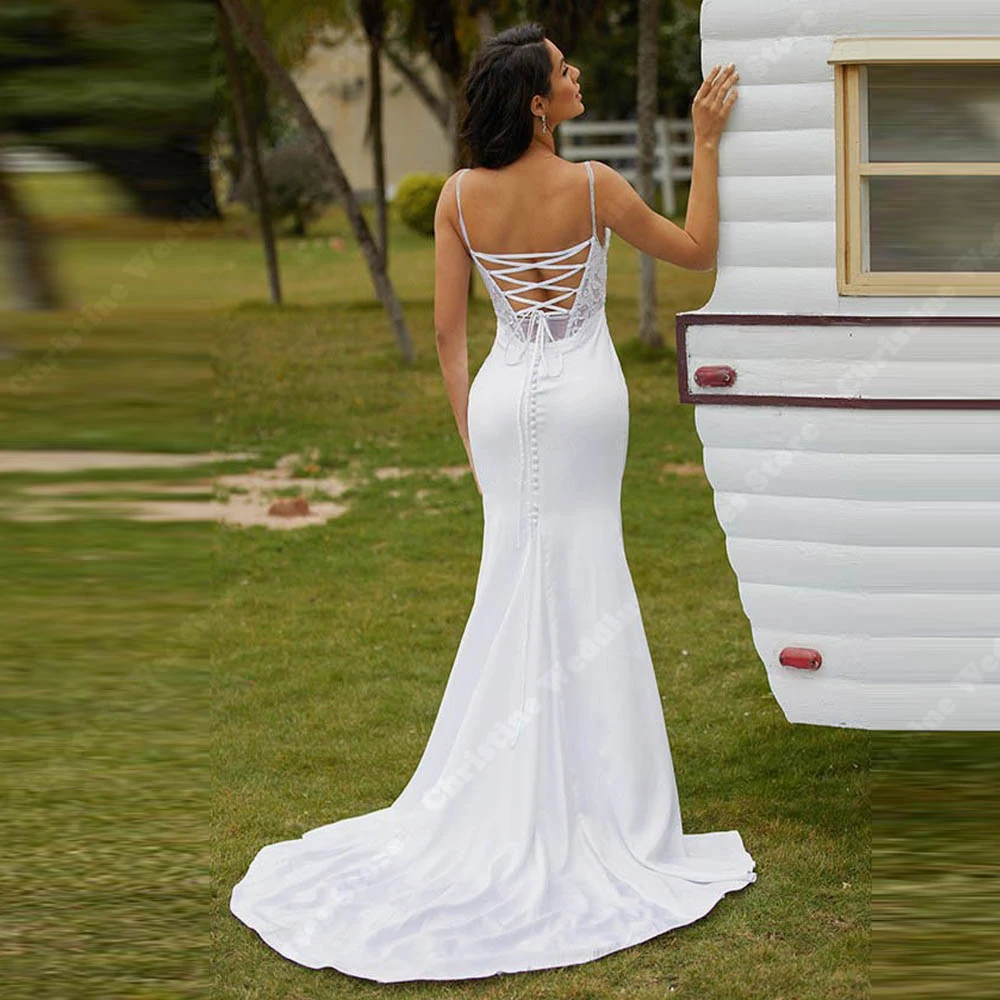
column 620, row 206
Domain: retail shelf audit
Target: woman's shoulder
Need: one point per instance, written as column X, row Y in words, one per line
column 602, row 171
column 450, row 183
column 452, row 179
column 448, row 198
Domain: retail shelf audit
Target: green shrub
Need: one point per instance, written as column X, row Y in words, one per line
column 297, row 187
column 416, row 200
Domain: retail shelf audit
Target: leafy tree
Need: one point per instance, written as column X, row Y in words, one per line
column 122, row 85
column 254, row 36
column 608, row 44
column 298, row 189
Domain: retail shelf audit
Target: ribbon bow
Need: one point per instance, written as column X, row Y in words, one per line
column 538, row 320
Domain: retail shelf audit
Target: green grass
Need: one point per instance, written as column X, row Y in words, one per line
column 333, row 657
column 184, row 694
column 935, row 908
column 104, row 887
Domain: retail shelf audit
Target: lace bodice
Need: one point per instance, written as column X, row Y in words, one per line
column 547, row 327
column 557, row 320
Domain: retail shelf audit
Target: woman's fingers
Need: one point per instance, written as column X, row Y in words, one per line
column 725, row 78
column 703, row 90
column 724, row 86
column 718, row 80
column 715, row 97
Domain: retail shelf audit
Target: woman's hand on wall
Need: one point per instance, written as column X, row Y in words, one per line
column 712, row 104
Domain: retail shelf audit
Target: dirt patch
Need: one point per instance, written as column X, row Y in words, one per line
column 85, row 461
column 394, row 472
column 82, row 489
column 241, row 511
column 270, row 480
column 280, row 498
column 683, row 469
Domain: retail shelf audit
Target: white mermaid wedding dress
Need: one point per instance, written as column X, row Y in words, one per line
column 541, row 827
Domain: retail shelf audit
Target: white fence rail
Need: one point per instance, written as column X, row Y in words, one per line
column 616, row 144
column 31, row 160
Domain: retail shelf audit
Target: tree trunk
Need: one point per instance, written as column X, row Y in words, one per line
column 438, row 22
column 373, row 19
column 439, row 107
column 29, row 265
column 378, row 154
column 282, row 83
column 236, row 162
column 457, row 152
column 649, row 22
column 251, row 152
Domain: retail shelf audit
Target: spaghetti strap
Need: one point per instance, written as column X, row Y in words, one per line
column 458, row 199
column 593, row 206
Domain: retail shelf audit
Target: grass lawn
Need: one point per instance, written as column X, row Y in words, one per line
column 183, row 693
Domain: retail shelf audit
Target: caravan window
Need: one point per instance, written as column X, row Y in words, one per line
column 918, row 171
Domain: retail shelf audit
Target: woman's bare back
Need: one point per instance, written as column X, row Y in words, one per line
column 536, row 205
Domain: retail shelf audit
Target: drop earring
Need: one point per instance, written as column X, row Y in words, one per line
column 545, row 126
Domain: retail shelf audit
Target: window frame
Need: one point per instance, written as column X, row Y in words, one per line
column 850, row 58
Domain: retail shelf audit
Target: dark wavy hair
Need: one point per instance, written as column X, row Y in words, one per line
column 508, row 69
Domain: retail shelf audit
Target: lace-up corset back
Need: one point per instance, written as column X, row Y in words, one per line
column 562, row 319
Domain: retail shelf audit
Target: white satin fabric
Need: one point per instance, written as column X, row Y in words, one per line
column 541, row 827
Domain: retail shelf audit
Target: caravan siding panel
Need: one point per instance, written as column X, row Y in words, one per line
column 802, row 153
column 768, row 20
column 931, row 707
column 837, row 521
column 898, row 432
column 870, row 343
column 775, row 290
column 872, row 535
column 941, row 477
column 783, row 107
column 845, row 360
column 779, row 244
column 849, row 379
column 874, row 568
column 785, row 60
column 823, row 612
column 893, row 660
column 790, row 198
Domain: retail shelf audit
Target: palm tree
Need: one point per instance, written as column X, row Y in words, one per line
column 251, row 152
column 284, row 86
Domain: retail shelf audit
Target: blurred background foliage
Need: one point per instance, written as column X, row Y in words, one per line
column 144, row 95
column 126, row 87
column 138, row 90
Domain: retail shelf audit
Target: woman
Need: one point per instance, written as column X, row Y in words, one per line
column 542, row 826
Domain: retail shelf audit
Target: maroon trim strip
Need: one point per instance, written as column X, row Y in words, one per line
column 684, row 320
